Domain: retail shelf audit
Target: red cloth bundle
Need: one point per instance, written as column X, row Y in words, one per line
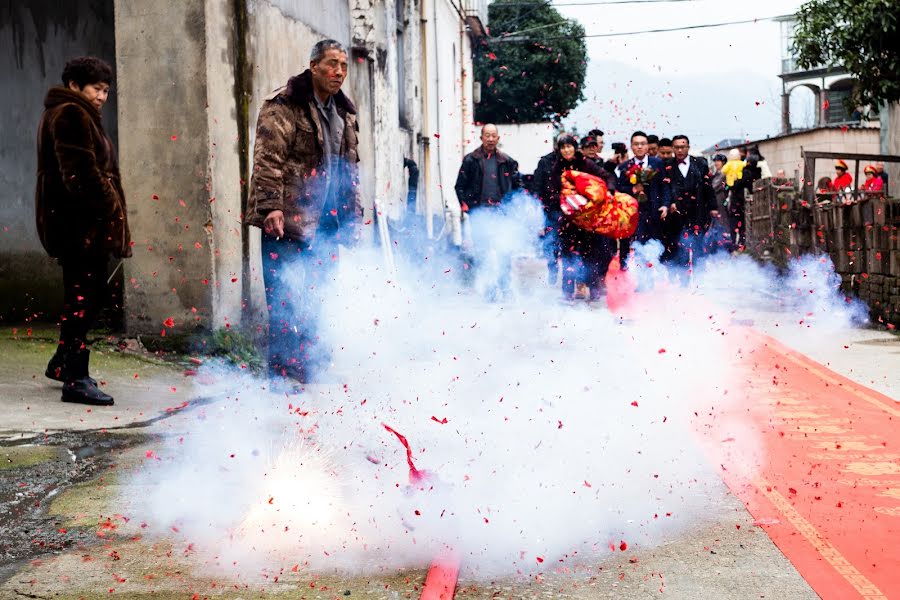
column 586, row 200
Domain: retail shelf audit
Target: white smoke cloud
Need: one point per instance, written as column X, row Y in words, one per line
column 545, row 432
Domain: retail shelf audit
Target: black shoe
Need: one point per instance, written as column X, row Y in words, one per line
column 85, row 391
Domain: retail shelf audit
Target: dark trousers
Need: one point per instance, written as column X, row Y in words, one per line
column 737, row 224
column 295, row 278
column 550, row 241
column 585, row 258
column 84, row 293
column 689, row 247
column 647, row 229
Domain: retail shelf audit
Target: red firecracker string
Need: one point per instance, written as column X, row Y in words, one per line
column 415, row 475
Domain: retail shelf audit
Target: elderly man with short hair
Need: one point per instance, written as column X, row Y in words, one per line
column 304, row 195
column 485, row 179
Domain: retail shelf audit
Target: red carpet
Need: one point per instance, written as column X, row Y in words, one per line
column 829, row 492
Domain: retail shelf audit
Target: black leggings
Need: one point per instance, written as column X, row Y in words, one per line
column 84, row 292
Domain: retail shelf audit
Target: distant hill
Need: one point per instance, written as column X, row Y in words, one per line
column 706, row 108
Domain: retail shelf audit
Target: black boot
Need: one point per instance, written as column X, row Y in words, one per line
column 80, row 388
column 58, row 367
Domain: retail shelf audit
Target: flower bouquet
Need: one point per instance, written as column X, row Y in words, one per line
column 640, row 176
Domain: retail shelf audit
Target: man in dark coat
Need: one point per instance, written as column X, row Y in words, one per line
column 552, row 213
column 486, row 175
column 649, row 196
column 304, row 195
column 81, row 214
column 688, row 204
column 485, row 179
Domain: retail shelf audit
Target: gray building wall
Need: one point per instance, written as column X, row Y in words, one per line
column 36, row 40
column 179, row 163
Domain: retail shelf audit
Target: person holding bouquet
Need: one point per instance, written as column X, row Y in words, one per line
column 639, row 177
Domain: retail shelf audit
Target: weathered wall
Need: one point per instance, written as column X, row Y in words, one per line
column 446, row 124
column 183, row 187
column 36, row 40
column 223, row 178
column 890, row 142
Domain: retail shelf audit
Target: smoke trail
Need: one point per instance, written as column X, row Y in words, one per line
column 514, row 434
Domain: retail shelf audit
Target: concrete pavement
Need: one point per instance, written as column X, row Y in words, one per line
column 82, row 544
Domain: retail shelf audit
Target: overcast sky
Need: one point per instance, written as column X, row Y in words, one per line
column 710, row 84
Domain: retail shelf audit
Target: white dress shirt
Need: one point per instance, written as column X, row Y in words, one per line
column 684, row 166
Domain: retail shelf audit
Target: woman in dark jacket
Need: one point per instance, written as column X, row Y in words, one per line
column 585, row 255
column 80, row 213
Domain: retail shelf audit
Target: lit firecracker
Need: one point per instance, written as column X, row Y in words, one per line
column 298, row 502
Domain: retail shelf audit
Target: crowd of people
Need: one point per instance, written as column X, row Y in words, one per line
column 304, row 196
column 691, row 209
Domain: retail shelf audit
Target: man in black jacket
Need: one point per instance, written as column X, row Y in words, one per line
column 688, row 204
column 486, row 175
column 485, row 178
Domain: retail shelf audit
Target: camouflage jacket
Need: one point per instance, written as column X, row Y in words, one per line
column 289, row 163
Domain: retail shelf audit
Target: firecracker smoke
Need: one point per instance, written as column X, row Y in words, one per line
column 515, row 435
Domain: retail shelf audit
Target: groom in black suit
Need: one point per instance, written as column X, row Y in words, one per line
column 688, row 204
column 650, row 196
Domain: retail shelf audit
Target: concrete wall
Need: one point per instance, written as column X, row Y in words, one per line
column 527, row 143
column 446, row 127
column 890, row 142
column 178, row 163
column 36, row 40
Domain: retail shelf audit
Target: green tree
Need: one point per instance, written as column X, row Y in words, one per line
column 861, row 36
column 532, row 66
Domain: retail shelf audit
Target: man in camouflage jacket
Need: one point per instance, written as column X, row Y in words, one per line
column 304, row 195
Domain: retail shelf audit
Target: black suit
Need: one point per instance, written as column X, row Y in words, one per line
column 693, row 197
column 648, row 210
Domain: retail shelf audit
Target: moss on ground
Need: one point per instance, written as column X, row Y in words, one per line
column 14, row 457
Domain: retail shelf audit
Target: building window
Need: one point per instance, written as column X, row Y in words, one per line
column 837, row 110
column 400, row 53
